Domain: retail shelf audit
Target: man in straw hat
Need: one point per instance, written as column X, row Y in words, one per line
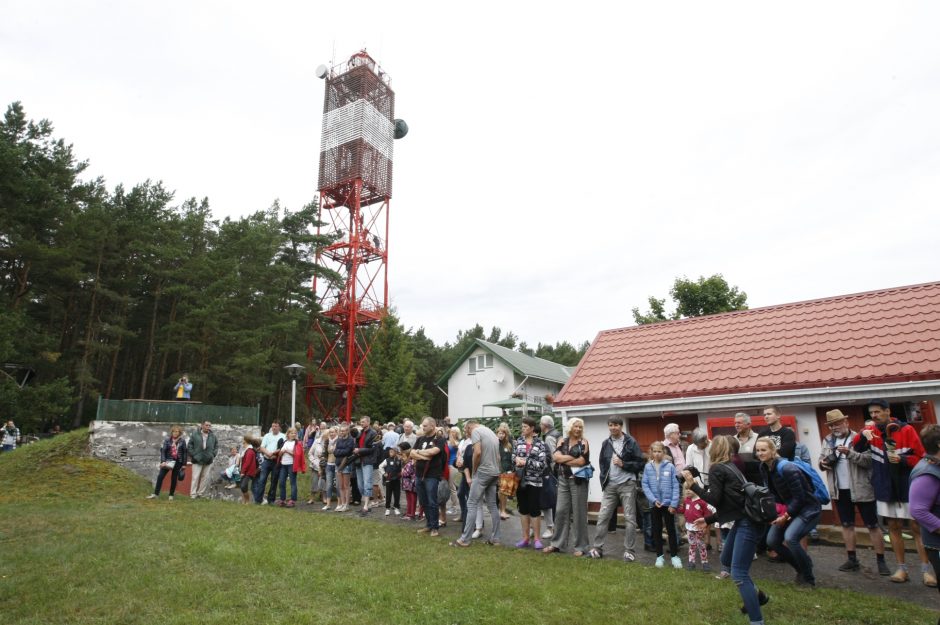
column 849, row 476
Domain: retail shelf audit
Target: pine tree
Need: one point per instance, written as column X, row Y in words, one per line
column 392, row 390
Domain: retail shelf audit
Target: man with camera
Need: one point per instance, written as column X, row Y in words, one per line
column 849, row 475
column 183, row 388
column 11, row 436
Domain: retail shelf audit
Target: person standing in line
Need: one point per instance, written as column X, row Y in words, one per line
column 662, row 491
column 550, row 435
column 270, row 443
column 430, row 457
column 573, row 452
column 672, row 446
column 203, row 448
column 290, row 460
column 784, row 438
column 621, row 460
column 172, row 460
column 925, row 494
column 895, row 451
column 848, row 473
column 484, row 481
column 529, row 460
column 392, row 477
column 249, row 467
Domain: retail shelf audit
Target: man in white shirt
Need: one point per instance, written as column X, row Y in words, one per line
column 270, row 443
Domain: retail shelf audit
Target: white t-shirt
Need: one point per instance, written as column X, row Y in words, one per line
column 287, row 455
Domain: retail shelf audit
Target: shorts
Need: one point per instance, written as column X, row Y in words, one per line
column 846, row 509
column 347, row 469
column 246, row 480
column 528, row 497
column 894, row 509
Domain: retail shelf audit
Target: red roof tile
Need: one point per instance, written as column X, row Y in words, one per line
column 865, row 338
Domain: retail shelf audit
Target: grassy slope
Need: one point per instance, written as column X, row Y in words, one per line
column 81, row 545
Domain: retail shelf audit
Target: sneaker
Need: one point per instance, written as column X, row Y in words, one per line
column 629, row 557
column 849, row 565
column 170, row 498
column 930, row 580
column 264, row 502
column 595, row 554
column 290, row 503
column 388, row 511
column 397, row 512
column 762, row 599
column 900, row 576
column 522, row 544
column 690, row 566
column 435, row 533
column 548, row 533
column 424, row 530
column 478, row 533
column 706, row 567
column 539, row 546
column 660, row 562
column 279, row 503
column 326, row 508
column 883, row 568
column 723, row 575
column 151, row 496
column 676, row 562
column 192, row 496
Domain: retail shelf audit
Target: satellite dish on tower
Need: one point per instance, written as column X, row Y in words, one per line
column 322, row 71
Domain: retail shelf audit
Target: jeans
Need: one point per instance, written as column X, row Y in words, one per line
column 287, row 470
column 614, row 495
column 482, row 486
column 571, row 510
column 267, row 468
column 663, row 518
column 427, row 497
column 463, row 492
column 737, row 556
column 786, row 541
column 364, row 479
column 330, row 487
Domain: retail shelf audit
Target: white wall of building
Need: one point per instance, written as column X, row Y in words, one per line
column 467, row 392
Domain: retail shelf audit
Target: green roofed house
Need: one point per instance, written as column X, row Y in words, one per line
column 488, row 378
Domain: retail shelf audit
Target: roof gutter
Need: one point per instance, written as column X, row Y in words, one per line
column 741, row 400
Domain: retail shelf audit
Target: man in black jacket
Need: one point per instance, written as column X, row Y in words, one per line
column 367, row 452
column 620, row 462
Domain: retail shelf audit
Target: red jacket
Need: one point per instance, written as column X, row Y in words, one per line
column 249, row 467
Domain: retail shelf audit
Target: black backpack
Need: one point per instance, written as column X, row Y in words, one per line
column 759, row 503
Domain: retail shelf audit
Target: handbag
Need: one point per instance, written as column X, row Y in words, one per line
column 508, row 484
column 583, row 473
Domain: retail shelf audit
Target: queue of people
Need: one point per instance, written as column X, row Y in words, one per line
column 886, row 470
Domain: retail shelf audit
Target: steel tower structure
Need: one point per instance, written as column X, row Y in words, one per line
column 355, row 185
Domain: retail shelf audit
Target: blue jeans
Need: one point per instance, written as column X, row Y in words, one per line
column 427, row 497
column 287, row 470
column 268, row 467
column 786, row 541
column 330, row 482
column 737, row 555
column 364, row 479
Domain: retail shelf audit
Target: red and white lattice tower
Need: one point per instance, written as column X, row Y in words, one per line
column 355, row 185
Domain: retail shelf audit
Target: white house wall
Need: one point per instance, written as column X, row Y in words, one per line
column 467, row 392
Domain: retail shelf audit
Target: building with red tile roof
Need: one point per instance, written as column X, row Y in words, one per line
column 806, row 357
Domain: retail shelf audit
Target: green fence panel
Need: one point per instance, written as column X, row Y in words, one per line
column 176, row 412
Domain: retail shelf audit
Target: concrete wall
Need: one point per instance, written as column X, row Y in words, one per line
column 136, row 446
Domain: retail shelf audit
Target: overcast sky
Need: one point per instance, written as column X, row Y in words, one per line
column 562, row 165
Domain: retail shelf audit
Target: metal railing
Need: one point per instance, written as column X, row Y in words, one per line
column 155, row 411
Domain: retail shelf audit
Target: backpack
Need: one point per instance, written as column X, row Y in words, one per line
column 820, row 491
column 759, row 503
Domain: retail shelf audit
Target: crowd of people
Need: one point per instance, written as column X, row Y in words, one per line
column 700, row 492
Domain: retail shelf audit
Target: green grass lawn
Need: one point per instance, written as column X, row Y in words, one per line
column 80, row 544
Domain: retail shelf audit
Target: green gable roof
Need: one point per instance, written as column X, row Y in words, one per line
column 520, row 363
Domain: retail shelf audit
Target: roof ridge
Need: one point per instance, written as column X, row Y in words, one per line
column 784, row 306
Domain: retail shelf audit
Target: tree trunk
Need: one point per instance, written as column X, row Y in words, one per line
column 117, row 353
column 22, row 283
column 89, row 331
column 164, row 354
column 148, row 360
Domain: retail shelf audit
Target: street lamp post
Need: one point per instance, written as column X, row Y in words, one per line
column 295, row 372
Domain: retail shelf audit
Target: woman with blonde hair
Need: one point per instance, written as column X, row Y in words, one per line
column 573, row 452
column 505, row 462
column 345, row 444
column 793, row 489
column 454, row 448
column 172, row 461
column 724, row 493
